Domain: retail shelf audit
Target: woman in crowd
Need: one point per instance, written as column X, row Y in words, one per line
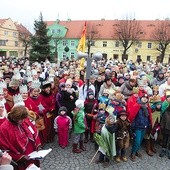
column 20, row 137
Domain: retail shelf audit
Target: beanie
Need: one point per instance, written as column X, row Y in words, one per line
column 63, row 108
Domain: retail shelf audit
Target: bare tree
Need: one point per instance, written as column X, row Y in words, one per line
column 24, row 37
column 91, row 35
column 127, row 32
column 162, row 35
column 57, row 41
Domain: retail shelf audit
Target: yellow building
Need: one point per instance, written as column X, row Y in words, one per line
column 107, row 42
column 10, row 43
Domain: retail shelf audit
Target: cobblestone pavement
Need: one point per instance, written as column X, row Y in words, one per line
column 64, row 159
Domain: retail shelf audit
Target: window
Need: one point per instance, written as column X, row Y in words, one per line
column 149, row 45
column 72, row 43
column 148, row 58
column 139, row 44
column 14, row 34
column 72, row 55
column 3, row 42
column 92, row 43
column 5, row 32
column 104, row 43
column 58, row 31
column 16, row 43
column 64, row 42
column 117, row 44
column 64, row 55
column 53, row 31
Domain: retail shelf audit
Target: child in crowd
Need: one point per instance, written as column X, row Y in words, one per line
column 123, row 134
column 106, row 142
column 104, row 98
column 165, row 127
column 90, row 107
column 62, row 125
column 100, row 118
column 79, row 126
column 140, row 117
column 156, row 105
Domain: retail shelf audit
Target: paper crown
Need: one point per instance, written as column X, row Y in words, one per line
column 119, row 96
column 135, row 90
column 3, row 85
column 45, row 83
column 29, row 79
column 34, row 72
column 155, row 88
column 155, row 99
column 1, row 90
column 23, row 89
column 102, row 106
column 35, row 84
column 18, row 100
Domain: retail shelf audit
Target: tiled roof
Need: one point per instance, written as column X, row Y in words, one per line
column 105, row 28
column 2, row 21
column 22, row 29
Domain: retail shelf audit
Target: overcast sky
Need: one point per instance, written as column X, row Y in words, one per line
column 26, row 12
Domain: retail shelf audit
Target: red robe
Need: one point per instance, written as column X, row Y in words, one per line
column 48, row 132
column 41, row 112
column 19, row 140
column 29, row 103
column 2, row 120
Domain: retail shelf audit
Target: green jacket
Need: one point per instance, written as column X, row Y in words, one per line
column 79, row 122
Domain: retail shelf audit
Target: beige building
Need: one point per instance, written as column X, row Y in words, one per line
column 10, row 42
column 108, row 43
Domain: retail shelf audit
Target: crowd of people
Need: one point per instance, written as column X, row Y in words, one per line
column 119, row 105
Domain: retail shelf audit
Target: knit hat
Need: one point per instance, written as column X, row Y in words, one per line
column 122, row 112
column 68, row 82
column 79, row 103
column 63, row 108
column 90, row 92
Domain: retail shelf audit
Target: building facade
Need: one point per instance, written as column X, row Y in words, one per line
column 10, row 42
column 105, row 40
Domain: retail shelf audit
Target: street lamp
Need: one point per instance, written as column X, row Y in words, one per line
column 96, row 56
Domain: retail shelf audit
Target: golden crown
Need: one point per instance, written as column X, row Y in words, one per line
column 155, row 98
column 155, row 88
column 102, row 106
column 135, row 90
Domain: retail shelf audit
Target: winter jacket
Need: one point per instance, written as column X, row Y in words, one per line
column 79, row 122
column 165, row 121
column 111, row 89
column 126, row 89
column 141, row 120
